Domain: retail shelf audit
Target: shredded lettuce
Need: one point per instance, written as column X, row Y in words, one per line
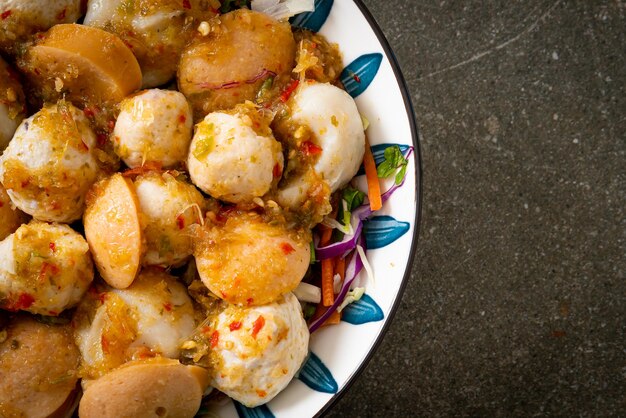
column 283, row 9
column 308, row 293
column 351, row 297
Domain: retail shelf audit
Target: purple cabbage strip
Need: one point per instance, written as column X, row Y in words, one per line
column 357, row 217
column 352, row 272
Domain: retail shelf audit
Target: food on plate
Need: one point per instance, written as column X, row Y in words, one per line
column 39, row 368
column 253, row 352
column 20, row 19
column 323, row 123
column 153, row 126
column 114, row 231
column 49, row 164
column 85, row 65
column 155, row 30
column 11, row 217
column 234, row 156
column 146, row 388
column 12, row 103
column 247, row 260
column 44, row 269
column 227, row 67
column 218, row 247
column 148, row 319
column 169, row 207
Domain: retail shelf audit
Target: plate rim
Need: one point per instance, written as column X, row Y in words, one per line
column 415, row 139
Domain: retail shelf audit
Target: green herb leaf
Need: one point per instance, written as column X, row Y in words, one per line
column 393, row 160
column 353, row 197
column 265, row 87
column 308, row 310
column 401, row 174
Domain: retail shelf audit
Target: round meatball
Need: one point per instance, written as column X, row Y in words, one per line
column 44, row 268
column 231, row 64
column 39, row 369
column 20, row 18
column 249, row 261
column 333, row 118
column 12, row 103
column 154, row 125
column 155, row 30
column 234, row 157
column 148, row 319
column 169, row 206
column 259, row 349
column 49, row 165
column 11, row 217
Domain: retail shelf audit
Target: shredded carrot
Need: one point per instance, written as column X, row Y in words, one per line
column 328, row 268
column 333, row 319
column 373, row 184
column 328, row 294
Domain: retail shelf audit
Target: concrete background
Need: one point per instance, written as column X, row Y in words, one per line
column 517, row 301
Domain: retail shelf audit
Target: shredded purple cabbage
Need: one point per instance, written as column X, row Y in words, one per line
column 348, row 244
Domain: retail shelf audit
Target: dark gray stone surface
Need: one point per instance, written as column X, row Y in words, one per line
column 517, row 301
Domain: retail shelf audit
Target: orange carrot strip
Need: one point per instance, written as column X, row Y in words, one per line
column 373, row 184
column 328, row 294
column 333, row 319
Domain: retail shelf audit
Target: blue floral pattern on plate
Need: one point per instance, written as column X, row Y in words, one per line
column 360, row 73
column 316, row 375
column 313, row 20
column 362, row 312
column 381, row 231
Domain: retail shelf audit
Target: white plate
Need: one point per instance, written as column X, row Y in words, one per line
column 340, row 352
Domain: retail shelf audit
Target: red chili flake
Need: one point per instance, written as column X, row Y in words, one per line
column 180, row 221
column 356, row 78
column 258, row 325
column 48, row 268
column 314, row 45
column 25, row 183
column 224, row 295
column 111, row 124
column 167, row 306
column 186, row 4
column 24, row 301
column 89, row 112
column 104, row 342
column 277, row 171
column 182, row 118
column 101, row 139
column 287, row 248
column 261, row 393
column 234, row 326
column 249, row 301
column 5, row 14
column 215, row 338
column 309, row 148
column 53, row 313
column 52, row 246
column 289, row 91
column 102, row 297
column 61, row 14
column 206, row 330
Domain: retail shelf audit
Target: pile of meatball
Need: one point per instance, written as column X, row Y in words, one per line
column 162, row 167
